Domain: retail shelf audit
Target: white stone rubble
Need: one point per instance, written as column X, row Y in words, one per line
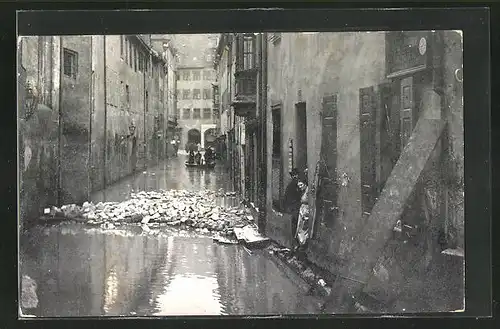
column 195, row 209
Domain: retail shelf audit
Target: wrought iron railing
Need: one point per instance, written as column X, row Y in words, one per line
column 246, row 83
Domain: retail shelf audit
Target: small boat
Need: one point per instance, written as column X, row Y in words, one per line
column 209, row 165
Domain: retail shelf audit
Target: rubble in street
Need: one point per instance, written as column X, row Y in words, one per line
column 177, row 208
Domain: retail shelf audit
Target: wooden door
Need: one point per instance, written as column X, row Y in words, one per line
column 277, row 167
column 367, row 116
column 389, row 130
column 301, row 137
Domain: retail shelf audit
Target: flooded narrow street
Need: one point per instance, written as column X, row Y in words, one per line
column 82, row 271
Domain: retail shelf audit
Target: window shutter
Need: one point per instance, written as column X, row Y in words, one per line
column 327, row 190
column 368, row 148
column 389, row 130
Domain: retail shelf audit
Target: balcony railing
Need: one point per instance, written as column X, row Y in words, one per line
column 246, row 83
column 246, row 93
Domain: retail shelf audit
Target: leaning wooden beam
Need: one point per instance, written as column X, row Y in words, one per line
column 369, row 244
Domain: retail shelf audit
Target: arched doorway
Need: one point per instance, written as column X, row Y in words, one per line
column 210, row 136
column 193, row 137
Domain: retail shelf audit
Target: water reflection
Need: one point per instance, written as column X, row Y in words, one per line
column 84, row 272
column 171, row 174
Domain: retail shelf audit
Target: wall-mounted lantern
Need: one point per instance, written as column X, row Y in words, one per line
column 30, row 100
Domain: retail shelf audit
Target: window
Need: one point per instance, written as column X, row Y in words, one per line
column 248, row 52
column 186, row 94
column 196, row 75
column 207, row 94
column 70, row 63
column 127, row 94
column 207, row 113
column 406, row 50
column 186, row 113
column 186, row 75
column 207, row 75
column 196, row 94
column 196, row 114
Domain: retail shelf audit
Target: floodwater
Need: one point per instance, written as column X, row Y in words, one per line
column 169, row 175
column 131, row 271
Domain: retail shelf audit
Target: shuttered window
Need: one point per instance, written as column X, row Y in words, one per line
column 327, row 191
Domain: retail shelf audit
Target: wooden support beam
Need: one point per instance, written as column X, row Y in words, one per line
column 369, row 243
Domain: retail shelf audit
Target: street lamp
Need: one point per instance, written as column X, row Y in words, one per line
column 30, row 100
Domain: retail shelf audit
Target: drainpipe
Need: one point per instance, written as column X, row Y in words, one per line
column 165, row 115
column 263, row 131
column 91, row 110
column 145, row 107
column 59, row 148
column 105, row 149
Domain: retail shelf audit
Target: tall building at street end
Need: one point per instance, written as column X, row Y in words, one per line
column 195, row 79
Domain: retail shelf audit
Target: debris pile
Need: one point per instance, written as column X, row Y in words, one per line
column 195, row 209
column 306, row 271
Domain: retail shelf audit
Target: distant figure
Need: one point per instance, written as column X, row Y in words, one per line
column 197, row 158
column 175, row 147
column 191, row 157
column 198, row 146
column 209, row 155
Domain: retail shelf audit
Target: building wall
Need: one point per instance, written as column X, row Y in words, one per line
column 94, row 133
column 38, row 133
column 318, row 65
column 305, row 67
column 75, row 115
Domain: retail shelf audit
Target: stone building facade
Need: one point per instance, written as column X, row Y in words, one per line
column 377, row 119
column 195, row 104
column 98, row 112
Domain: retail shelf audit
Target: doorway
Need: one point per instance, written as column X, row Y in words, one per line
column 194, row 138
column 301, row 137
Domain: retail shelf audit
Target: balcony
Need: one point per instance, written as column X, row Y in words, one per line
column 172, row 121
column 246, row 93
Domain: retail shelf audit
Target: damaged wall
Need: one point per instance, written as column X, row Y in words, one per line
column 75, row 124
column 38, row 130
column 305, row 67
